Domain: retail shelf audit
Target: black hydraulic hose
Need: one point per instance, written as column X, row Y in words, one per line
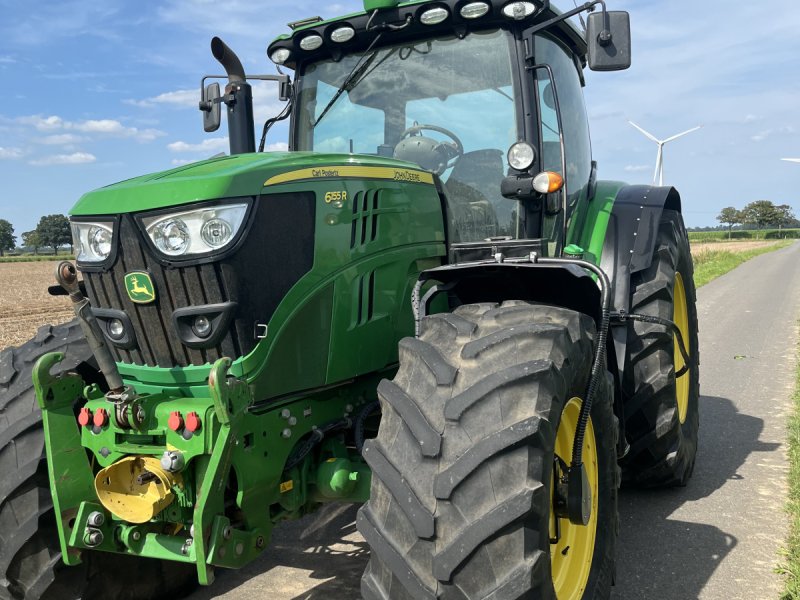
column 622, row 316
column 599, row 351
column 361, row 418
column 228, row 59
column 317, row 435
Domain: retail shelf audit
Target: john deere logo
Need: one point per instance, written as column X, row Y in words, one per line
column 140, row 287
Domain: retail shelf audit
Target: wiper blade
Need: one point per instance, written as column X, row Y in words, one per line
column 353, row 78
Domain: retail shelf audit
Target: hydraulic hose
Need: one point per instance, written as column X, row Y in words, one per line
column 599, row 352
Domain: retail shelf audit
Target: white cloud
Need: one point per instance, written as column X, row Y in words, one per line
column 278, row 147
column 10, row 153
column 76, row 158
column 61, row 139
column 637, row 168
column 207, row 145
column 177, row 99
column 110, row 127
column 7, row 60
column 180, row 161
column 50, row 123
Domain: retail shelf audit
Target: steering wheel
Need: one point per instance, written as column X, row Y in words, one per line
column 430, row 154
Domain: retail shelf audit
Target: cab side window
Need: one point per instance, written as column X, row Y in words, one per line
column 577, row 145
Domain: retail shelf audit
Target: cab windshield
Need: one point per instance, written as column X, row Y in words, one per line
column 447, row 104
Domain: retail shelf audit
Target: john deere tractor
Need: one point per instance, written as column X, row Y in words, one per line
column 430, row 304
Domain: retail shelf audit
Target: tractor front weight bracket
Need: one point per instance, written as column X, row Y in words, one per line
column 83, row 520
column 213, row 536
column 71, row 479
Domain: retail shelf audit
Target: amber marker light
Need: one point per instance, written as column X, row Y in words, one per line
column 548, row 182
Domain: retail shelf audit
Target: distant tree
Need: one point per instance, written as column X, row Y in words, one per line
column 30, row 239
column 54, row 230
column 760, row 213
column 730, row 216
column 785, row 216
column 7, row 238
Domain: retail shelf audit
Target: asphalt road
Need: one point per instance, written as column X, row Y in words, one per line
column 717, row 538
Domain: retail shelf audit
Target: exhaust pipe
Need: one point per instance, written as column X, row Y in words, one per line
column 238, row 98
column 228, row 59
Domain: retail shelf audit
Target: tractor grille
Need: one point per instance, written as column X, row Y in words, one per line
column 277, row 251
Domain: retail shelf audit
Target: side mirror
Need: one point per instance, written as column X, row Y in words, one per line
column 210, row 107
column 608, row 35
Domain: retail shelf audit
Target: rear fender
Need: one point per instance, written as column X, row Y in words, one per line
column 628, row 247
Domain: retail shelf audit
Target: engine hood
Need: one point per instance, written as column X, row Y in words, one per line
column 238, row 176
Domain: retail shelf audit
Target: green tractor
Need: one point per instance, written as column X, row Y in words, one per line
column 429, row 304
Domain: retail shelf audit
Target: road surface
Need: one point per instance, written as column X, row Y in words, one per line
column 719, row 537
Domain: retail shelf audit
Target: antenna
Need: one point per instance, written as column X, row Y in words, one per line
column 658, row 176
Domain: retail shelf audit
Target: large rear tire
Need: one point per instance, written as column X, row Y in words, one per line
column 662, row 413
column 461, row 500
column 30, row 555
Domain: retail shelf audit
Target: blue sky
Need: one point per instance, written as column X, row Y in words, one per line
column 97, row 91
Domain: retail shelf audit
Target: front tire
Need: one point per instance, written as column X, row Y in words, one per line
column 461, row 499
column 662, row 413
column 30, row 555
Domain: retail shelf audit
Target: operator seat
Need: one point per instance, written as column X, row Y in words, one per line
column 475, row 179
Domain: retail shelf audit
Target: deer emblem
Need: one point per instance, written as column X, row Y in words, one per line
column 140, row 287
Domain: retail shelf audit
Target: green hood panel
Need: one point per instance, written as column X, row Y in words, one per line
column 225, row 177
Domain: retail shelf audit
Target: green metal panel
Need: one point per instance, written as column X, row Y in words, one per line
column 596, row 213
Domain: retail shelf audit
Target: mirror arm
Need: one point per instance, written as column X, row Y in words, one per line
column 605, row 35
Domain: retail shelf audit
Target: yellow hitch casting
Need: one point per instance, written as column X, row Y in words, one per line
column 136, row 488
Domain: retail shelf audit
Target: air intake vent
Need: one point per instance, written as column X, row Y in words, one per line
column 365, row 292
column 366, row 209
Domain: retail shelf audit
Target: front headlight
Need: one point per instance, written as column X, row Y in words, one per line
column 198, row 231
column 92, row 240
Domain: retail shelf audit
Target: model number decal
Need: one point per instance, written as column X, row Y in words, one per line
column 335, row 197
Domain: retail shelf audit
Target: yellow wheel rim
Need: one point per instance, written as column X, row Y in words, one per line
column 681, row 318
column 571, row 556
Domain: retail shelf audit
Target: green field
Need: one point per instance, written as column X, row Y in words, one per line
column 764, row 234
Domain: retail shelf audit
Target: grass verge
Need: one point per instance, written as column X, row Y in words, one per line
column 790, row 566
column 710, row 264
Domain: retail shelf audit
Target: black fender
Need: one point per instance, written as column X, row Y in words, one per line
column 564, row 285
column 631, row 235
column 628, row 248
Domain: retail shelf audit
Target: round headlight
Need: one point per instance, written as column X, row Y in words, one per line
column 519, row 10
column 216, row 232
column 172, row 237
column 100, row 241
column 474, row 10
column 116, row 330
column 434, row 16
column 201, row 326
column 280, row 56
column 311, row 42
column 343, row 34
column 521, row 156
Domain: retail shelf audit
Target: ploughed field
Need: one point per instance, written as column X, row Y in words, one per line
column 25, row 304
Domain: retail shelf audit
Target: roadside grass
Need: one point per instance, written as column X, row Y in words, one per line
column 32, row 258
column 790, row 566
column 710, row 264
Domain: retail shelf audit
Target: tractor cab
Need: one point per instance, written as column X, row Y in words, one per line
column 474, row 93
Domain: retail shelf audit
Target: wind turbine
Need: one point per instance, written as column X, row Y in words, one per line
column 797, row 160
column 659, row 173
